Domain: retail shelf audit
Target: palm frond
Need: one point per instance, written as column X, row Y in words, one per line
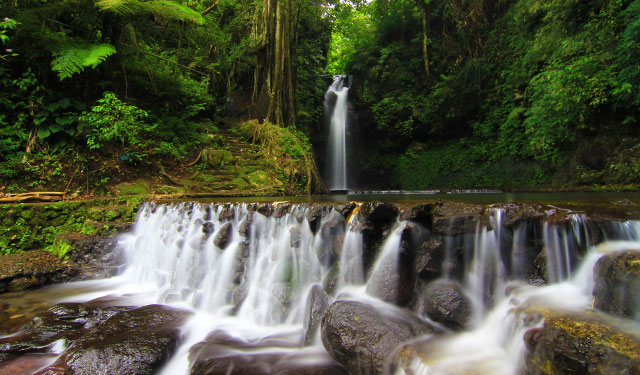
column 73, row 59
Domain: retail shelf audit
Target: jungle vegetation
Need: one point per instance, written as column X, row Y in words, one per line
column 448, row 93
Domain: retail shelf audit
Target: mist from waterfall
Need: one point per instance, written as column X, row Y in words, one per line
column 336, row 111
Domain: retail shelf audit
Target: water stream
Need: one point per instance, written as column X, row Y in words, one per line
column 250, row 275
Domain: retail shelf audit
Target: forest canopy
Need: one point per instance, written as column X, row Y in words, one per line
column 460, row 93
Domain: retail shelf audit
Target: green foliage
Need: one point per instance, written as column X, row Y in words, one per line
column 59, row 248
column 162, row 8
column 74, row 59
column 5, row 25
column 113, row 120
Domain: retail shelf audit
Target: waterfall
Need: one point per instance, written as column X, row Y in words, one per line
column 250, row 271
column 336, row 110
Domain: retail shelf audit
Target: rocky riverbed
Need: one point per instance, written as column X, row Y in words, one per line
column 405, row 321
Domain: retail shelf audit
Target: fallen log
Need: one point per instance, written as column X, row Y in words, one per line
column 36, row 196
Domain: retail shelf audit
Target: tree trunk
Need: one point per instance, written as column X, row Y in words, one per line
column 275, row 72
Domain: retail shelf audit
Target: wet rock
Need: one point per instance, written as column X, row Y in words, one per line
column 227, row 212
column 137, row 341
column 421, row 214
column 445, row 302
column 617, row 282
column 96, row 257
column 455, row 225
column 245, row 226
column 395, row 283
column 346, row 210
column 222, row 354
column 332, row 235
column 428, row 263
column 516, row 214
column 281, row 209
column 361, row 336
column 380, row 213
column 265, row 209
column 330, row 281
column 316, row 306
column 32, row 269
column 314, row 217
column 208, row 228
column 223, row 237
column 66, row 321
column 582, row 343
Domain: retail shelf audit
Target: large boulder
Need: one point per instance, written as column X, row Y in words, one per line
column 361, row 336
column 394, row 281
column 66, row 321
column 137, row 341
column 582, row 343
column 445, row 302
column 617, row 284
column 224, row 235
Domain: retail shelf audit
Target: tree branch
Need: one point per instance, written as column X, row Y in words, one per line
column 209, row 9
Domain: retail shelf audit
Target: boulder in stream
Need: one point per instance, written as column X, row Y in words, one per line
column 67, row 321
column 137, row 341
column 617, row 284
column 361, row 336
column 582, row 343
column 445, row 302
column 223, row 237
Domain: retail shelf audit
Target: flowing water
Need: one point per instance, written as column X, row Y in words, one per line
column 250, row 275
column 336, row 110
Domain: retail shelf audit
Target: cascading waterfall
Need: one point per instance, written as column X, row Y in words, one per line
column 336, row 110
column 251, row 276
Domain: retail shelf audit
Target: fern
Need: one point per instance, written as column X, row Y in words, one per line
column 174, row 11
column 160, row 8
column 75, row 58
column 118, row 6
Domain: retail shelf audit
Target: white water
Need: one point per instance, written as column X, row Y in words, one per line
column 494, row 345
column 171, row 260
column 338, row 123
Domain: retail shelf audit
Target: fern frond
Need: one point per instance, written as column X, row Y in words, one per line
column 118, row 6
column 74, row 59
column 172, row 10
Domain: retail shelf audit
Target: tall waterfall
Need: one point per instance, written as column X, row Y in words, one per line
column 336, row 110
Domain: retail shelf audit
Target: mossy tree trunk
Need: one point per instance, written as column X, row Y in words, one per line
column 275, row 73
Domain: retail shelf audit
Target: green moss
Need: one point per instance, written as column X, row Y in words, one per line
column 133, row 188
column 59, row 248
column 37, row 226
column 596, row 331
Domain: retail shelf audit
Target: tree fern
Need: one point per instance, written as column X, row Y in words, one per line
column 174, row 11
column 118, row 6
column 160, row 8
column 75, row 58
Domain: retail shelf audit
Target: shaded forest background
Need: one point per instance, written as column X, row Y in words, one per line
column 447, row 93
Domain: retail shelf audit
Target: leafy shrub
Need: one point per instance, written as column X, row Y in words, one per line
column 113, row 120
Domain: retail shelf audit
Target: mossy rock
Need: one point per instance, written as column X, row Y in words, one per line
column 260, row 178
column 133, row 188
column 617, row 282
column 240, row 183
column 216, row 158
column 582, row 343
